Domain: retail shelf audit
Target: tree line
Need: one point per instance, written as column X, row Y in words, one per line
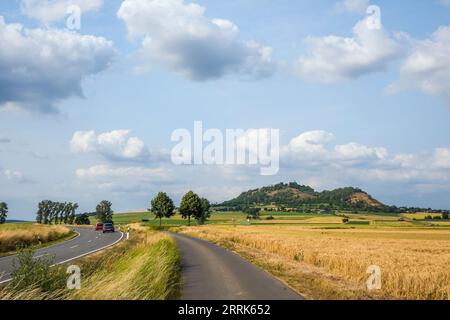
column 50, row 212
column 191, row 207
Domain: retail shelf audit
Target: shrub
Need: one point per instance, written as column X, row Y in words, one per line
column 29, row 273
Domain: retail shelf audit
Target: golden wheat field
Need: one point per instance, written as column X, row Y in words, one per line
column 15, row 235
column 332, row 263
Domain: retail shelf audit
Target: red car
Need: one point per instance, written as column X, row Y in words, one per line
column 99, row 227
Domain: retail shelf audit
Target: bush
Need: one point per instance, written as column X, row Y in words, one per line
column 270, row 218
column 29, row 273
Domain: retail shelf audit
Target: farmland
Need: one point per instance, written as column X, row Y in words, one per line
column 323, row 258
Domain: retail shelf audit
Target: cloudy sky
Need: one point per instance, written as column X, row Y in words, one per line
column 361, row 97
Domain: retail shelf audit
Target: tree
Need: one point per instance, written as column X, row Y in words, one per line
column 72, row 216
column 252, row 212
column 82, row 219
column 191, row 206
column 206, row 211
column 104, row 211
column 3, row 212
column 162, row 207
column 40, row 213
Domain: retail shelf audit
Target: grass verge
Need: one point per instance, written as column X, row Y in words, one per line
column 146, row 267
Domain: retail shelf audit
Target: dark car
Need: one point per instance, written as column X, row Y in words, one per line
column 108, row 227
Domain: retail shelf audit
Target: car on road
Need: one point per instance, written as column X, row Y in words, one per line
column 108, row 227
column 99, row 227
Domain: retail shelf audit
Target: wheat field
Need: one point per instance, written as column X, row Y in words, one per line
column 332, row 263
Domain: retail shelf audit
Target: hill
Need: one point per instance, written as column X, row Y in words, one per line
column 294, row 195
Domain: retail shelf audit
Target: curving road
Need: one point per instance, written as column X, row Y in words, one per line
column 210, row 272
column 86, row 242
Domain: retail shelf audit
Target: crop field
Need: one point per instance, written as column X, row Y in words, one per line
column 323, row 258
column 16, row 235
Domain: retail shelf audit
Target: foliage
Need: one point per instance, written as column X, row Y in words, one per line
column 82, row 219
column 37, row 273
column 50, row 212
column 3, row 212
column 162, row 207
column 104, row 212
column 191, row 206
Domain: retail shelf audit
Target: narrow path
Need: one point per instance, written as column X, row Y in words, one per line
column 88, row 241
column 210, row 272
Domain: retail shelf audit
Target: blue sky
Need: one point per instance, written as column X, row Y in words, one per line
column 312, row 69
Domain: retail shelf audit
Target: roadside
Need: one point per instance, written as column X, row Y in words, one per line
column 144, row 267
column 14, row 237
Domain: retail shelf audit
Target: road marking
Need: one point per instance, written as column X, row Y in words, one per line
column 80, row 256
column 74, row 246
column 89, row 241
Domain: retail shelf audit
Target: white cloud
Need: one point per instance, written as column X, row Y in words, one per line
column 132, row 173
column 115, row 145
column 442, row 158
column 179, row 36
column 353, row 151
column 358, row 6
column 49, row 11
column 333, row 58
column 15, row 176
column 427, row 67
column 40, row 67
column 311, row 142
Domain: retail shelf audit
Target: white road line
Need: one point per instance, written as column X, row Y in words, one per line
column 80, row 256
column 89, row 241
column 75, row 246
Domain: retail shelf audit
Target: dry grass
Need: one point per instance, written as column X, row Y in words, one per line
column 13, row 236
column 146, row 267
column 332, row 264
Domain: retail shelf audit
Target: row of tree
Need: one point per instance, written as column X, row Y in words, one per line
column 50, row 212
column 192, row 206
column 3, row 212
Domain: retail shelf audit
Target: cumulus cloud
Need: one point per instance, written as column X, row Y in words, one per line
column 49, row 11
column 333, row 58
column 181, row 37
column 427, row 67
column 311, row 142
column 353, row 151
column 40, row 67
column 115, row 145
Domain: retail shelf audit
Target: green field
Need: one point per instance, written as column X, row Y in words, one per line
column 359, row 221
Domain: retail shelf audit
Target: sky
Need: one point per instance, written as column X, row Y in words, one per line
column 359, row 90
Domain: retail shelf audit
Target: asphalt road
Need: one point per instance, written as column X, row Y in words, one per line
column 86, row 242
column 210, row 272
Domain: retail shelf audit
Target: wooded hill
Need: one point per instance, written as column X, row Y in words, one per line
column 296, row 196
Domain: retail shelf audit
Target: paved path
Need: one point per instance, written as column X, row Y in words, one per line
column 86, row 242
column 210, row 272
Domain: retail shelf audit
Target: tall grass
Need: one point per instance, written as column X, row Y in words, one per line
column 14, row 236
column 146, row 267
column 414, row 263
